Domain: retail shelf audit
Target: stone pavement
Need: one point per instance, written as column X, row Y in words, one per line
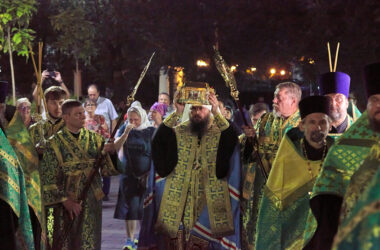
column 113, row 230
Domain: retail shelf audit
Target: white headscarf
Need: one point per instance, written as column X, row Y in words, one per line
column 136, row 107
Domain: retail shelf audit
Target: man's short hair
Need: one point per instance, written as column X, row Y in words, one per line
column 258, row 107
column 292, row 88
column 55, row 93
column 68, row 104
column 164, row 93
column 93, row 86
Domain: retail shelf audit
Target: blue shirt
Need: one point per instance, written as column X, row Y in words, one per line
column 106, row 109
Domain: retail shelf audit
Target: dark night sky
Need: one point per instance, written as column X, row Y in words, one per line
column 260, row 33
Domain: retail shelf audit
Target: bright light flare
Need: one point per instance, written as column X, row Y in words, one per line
column 282, row 72
column 272, row 71
column 202, row 63
column 233, row 68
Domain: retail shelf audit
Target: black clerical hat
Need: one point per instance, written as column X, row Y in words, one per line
column 314, row 104
column 372, row 78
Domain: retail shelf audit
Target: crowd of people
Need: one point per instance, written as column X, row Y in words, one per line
column 304, row 175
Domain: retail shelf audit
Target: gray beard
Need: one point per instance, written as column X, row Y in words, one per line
column 277, row 113
column 317, row 136
column 335, row 116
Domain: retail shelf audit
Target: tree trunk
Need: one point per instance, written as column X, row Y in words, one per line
column 11, row 63
column 77, row 81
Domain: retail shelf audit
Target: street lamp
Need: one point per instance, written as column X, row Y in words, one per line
column 201, row 63
column 272, row 71
column 282, row 72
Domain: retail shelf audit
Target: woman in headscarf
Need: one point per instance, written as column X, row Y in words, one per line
column 157, row 113
column 134, row 142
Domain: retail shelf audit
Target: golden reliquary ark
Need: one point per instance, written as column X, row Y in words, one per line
column 195, row 93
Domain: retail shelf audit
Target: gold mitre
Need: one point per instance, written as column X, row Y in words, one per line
column 195, row 93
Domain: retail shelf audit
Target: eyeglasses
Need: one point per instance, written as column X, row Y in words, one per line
column 25, row 108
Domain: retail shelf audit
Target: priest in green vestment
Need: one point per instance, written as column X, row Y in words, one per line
column 359, row 225
column 20, row 139
column 336, row 85
column 67, row 161
column 284, row 206
column 43, row 129
column 269, row 130
column 342, row 161
column 40, row 133
column 15, row 226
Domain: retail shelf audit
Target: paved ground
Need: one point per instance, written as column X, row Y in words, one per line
column 113, row 231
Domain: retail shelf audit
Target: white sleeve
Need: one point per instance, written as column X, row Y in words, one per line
column 112, row 111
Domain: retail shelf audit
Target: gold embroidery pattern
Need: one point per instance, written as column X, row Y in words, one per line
column 9, row 158
column 178, row 183
column 10, row 181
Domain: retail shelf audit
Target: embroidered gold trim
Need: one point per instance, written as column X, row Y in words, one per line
column 283, row 204
column 10, row 181
column 346, row 229
column 25, row 151
column 50, row 187
column 13, row 161
column 178, row 183
column 171, row 120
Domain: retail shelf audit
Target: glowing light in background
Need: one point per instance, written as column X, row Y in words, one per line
column 201, row 63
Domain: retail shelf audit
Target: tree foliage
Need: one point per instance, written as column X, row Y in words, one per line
column 75, row 34
column 115, row 37
column 15, row 15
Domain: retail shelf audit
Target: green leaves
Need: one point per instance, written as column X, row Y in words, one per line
column 75, row 34
column 16, row 15
column 17, row 38
column 5, row 18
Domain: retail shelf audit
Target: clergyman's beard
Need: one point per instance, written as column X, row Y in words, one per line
column 276, row 113
column 336, row 114
column 375, row 124
column 199, row 127
column 317, row 136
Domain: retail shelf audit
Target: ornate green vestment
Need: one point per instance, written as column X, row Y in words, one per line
column 40, row 132
column 342, row 161
column 66, row 164
column 193, row 184
column 269, row 131
column 359, row 226
column 284, row 206
column 21, row 141
column 44, row 129
column 13, row 192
